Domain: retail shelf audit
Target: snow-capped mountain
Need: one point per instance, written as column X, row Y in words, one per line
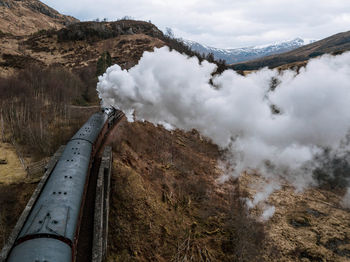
column 247, row 53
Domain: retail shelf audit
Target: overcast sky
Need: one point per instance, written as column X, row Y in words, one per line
column 223, row 23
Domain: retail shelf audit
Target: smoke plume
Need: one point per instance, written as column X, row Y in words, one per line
column 279, row 124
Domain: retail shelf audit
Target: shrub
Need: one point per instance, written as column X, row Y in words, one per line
column 103, row 63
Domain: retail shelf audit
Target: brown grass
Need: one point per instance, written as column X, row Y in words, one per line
column 13, row 171
column 13, row 199
column 26, row 17
column 167, row 206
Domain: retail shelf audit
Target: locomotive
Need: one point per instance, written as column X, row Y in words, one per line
column 51, row 230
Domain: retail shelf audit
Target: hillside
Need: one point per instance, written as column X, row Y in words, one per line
column 334, row 44
column 168, row 204
column 167, row 201
column 29, row 16
column 79, row 45
column 236, row 55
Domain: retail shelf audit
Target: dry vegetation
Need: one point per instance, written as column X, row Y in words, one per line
column 167, row 205
column 36, row 108
column 13, row 199
column 11, row 170
column 27, row 16
column 45, row 50
column 307, row 226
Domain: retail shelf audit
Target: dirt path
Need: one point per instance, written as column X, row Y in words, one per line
column 13, row 171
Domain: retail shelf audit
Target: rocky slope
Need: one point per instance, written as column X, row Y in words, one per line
column 29, row 16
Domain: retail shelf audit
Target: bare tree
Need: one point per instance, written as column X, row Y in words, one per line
column 169, row 32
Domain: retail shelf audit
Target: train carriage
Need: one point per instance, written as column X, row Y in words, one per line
column 51, row 230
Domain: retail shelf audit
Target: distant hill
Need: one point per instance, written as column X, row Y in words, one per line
column 335, row 44
column 33, row 33
column 79, row 45
column 247, row 53
column 29, row 16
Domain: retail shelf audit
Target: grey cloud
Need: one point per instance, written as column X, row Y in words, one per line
column 224, row 23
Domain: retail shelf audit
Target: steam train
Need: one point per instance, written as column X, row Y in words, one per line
column 51, row 230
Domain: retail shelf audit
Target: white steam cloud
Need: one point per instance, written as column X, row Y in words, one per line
column 268, row 213
column 272, row 122
column 263, row 195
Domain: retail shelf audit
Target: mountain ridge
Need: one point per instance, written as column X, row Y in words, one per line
column 335, row 44
column 236, row 55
